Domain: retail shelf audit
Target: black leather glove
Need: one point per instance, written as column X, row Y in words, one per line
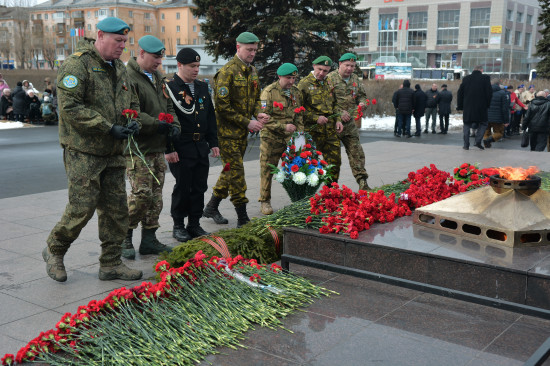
column 163, row 128
column 175, row 133
column 120, row 132
column 134, row 128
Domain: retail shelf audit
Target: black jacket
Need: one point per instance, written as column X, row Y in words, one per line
column 198, row 130
column 420, row 100
column 444, row 100
column 499, row 110
column 18, row 96
column 404, row 100
column 474, row 97
column 432, row 98
column 5, row 102
column 537, row 118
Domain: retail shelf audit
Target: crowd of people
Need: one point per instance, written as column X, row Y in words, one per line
column 26, row 104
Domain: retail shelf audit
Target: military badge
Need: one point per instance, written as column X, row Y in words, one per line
column 98, row 69
column 264, row 104
column 70, row 81
column 223, row 91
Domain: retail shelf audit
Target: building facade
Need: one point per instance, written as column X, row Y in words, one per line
column 500, row 35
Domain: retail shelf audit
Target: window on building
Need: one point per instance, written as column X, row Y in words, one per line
column 177, row 15
column 510, row 15
column 360, row 32
column 194, row 41
column 147, row 29
column 112, row 12
column 96, row 13
column 89, row 14
column 32, row 16
column 102, row 12
column 447, row 27
column 529, row 20
column 130, row 14
column 46, row 16
column 194, row 28
column 162, row 16
column 58, row 15
column 177, row 28
column 46, row 28
column 387, row 34
column 418, row 28
column 39, row 16
column 131, row 25
column 162, row 29
column 147, row 15
column 479, row 26
column 519, row 17
column 60, row 52
column 527, row 42
column 132, row 53
column 178, row 41
column 517, row 39
column 131, row 40
column 507, row 36
column 89, row 27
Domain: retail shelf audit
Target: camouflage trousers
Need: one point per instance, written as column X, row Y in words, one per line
column 356, row 156
column 232, row 181
column 145, row 198
column 95, row 183
column 271, row 150
column 328, row 143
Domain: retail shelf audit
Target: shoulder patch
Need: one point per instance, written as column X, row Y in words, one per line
column 70, row 81
column 98, row 69
column 78, row 54
column 264, row 104
column 223, row 91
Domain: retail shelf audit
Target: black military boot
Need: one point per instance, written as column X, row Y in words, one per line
column 150, row 244
column 211, row 210
column 242, row 216
column 128, row 250
column 194, row 228
column 180, row 233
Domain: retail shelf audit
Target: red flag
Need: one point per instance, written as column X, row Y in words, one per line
column 82, row 32
column 400, row 23
column 407, row 25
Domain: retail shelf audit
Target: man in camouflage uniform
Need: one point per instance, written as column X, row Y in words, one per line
column 93, row 89
column 277, row 131
column 320, row 118
column 350, row 93
column 238, row 111
column 147, row 180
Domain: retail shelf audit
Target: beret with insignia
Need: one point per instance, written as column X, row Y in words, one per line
column 323, row 60
column 348, row 56
column 151, row 44
column 113, row 25
column 287, row 69
column 247, row 37
column 187, row 56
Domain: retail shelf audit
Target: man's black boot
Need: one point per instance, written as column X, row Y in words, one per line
column 242, row 216
column 194, row 228
column 211, row 210
column 180, row 233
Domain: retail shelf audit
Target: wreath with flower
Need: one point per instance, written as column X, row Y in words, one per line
column 302, row 170
column 470, row 175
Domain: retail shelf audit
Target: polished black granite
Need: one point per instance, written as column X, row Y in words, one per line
column 412, row 252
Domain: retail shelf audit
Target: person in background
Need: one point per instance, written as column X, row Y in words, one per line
column 396, row 123
column 431, row 107
column 537, row 122
column 19, row 103
column 27, row 85
column 3, row 84
column 404, row 101
column 517, row 110
column 47, row 111
column 6, row 105
column 444, row 100
column 33, row 107
column 421, row 99
column 498, row 115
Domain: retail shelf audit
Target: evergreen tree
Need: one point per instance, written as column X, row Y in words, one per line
column 296, row 31
column 543, row 46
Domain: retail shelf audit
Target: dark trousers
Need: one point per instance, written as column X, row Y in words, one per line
column 191, row 184
column 404, row 124
column 538, row 141
column 481, row 127
column 418, row 125
column 444, row 126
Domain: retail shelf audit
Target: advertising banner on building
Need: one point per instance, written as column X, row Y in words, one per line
column 393, row 70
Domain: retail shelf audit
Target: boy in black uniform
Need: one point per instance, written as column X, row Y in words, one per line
column 189, row 163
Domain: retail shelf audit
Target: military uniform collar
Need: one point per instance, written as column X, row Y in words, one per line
column 243, row 64
column 179, row 81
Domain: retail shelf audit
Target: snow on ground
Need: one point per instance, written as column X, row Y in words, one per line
column 386, row 123
column 9, row 125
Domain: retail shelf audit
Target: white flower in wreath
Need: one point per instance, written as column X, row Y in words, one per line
column 299, row 178
column 313, row 180
column 280, row 176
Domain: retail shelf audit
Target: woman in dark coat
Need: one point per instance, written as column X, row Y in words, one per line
column 6, row 105
column 419, row 107
column 444, row 100
column 19, row 103
column 33, row 106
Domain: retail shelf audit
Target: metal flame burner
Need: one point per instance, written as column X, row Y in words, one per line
column 509, row 212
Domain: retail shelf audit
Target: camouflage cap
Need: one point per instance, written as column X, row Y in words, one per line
column 247, row 37
column 348, row 56
column 113, row 25
column 323, row 60
column 287, row 69
column 151, row 44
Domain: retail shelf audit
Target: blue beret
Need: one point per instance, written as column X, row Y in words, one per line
column 287, row 69
column 113, row 25
column 323, row 60
column 348, row 56
column 247, row 38
column 151, row 44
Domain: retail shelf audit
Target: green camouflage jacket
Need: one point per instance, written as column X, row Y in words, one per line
column 153, row 100
column 318, row 100
column 276, row 126
column 236, row 98
column 348, row 94
column 91, row 96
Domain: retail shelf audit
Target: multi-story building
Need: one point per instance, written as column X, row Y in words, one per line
column 500, row 35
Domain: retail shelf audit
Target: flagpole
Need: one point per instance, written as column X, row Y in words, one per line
column 407, row 41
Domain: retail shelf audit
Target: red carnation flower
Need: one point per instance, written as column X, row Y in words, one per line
column 295, row 168
column 463, row 172
column 227, row 167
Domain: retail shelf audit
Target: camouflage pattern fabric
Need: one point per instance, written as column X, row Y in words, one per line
column 274, row 136
column 348, row 96
column 145, row 198
column 318, row 100
column 88, row 176
column 236, row 99
column 232, row 181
